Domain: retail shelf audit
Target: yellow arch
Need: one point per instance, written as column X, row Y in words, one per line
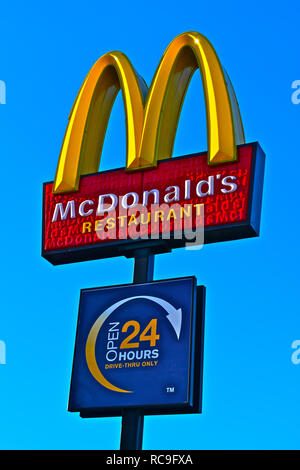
column 91, row 355
column 84, row 137
column 184, row 55
column 150, row 127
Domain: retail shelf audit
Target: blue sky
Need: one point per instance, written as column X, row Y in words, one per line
column 251, row 386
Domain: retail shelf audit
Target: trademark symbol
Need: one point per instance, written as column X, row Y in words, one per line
column 170, row 389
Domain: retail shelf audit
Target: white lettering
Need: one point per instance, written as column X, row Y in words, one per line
column 173, row 195
column 232, row 186
column 102, row 207
column 135, row 201
column 187, row 189
column 59, row 209
column 210, row 187
column 155, row 193
column 82, row 206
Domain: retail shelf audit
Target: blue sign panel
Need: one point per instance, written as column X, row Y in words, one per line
column 139, row 345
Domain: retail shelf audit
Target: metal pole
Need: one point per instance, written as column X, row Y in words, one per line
column 133, row 420
column 143, row 266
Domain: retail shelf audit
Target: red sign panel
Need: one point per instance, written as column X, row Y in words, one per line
column 114, row 211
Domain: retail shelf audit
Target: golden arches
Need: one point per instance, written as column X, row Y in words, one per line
column 185, row 54
column 84, row 137
column 150, row 126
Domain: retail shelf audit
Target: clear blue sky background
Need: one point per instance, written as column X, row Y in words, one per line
column 251, row 386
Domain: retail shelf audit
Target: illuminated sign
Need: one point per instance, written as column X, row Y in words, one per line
column 156, row 200
column 139, row 345
column 104, row 217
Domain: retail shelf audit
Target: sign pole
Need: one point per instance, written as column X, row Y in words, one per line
column 133, row 420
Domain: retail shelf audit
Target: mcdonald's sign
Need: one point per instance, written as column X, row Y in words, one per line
column 156, row 200
column 139, row 345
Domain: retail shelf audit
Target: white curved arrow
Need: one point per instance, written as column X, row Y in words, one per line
column 174, row 315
